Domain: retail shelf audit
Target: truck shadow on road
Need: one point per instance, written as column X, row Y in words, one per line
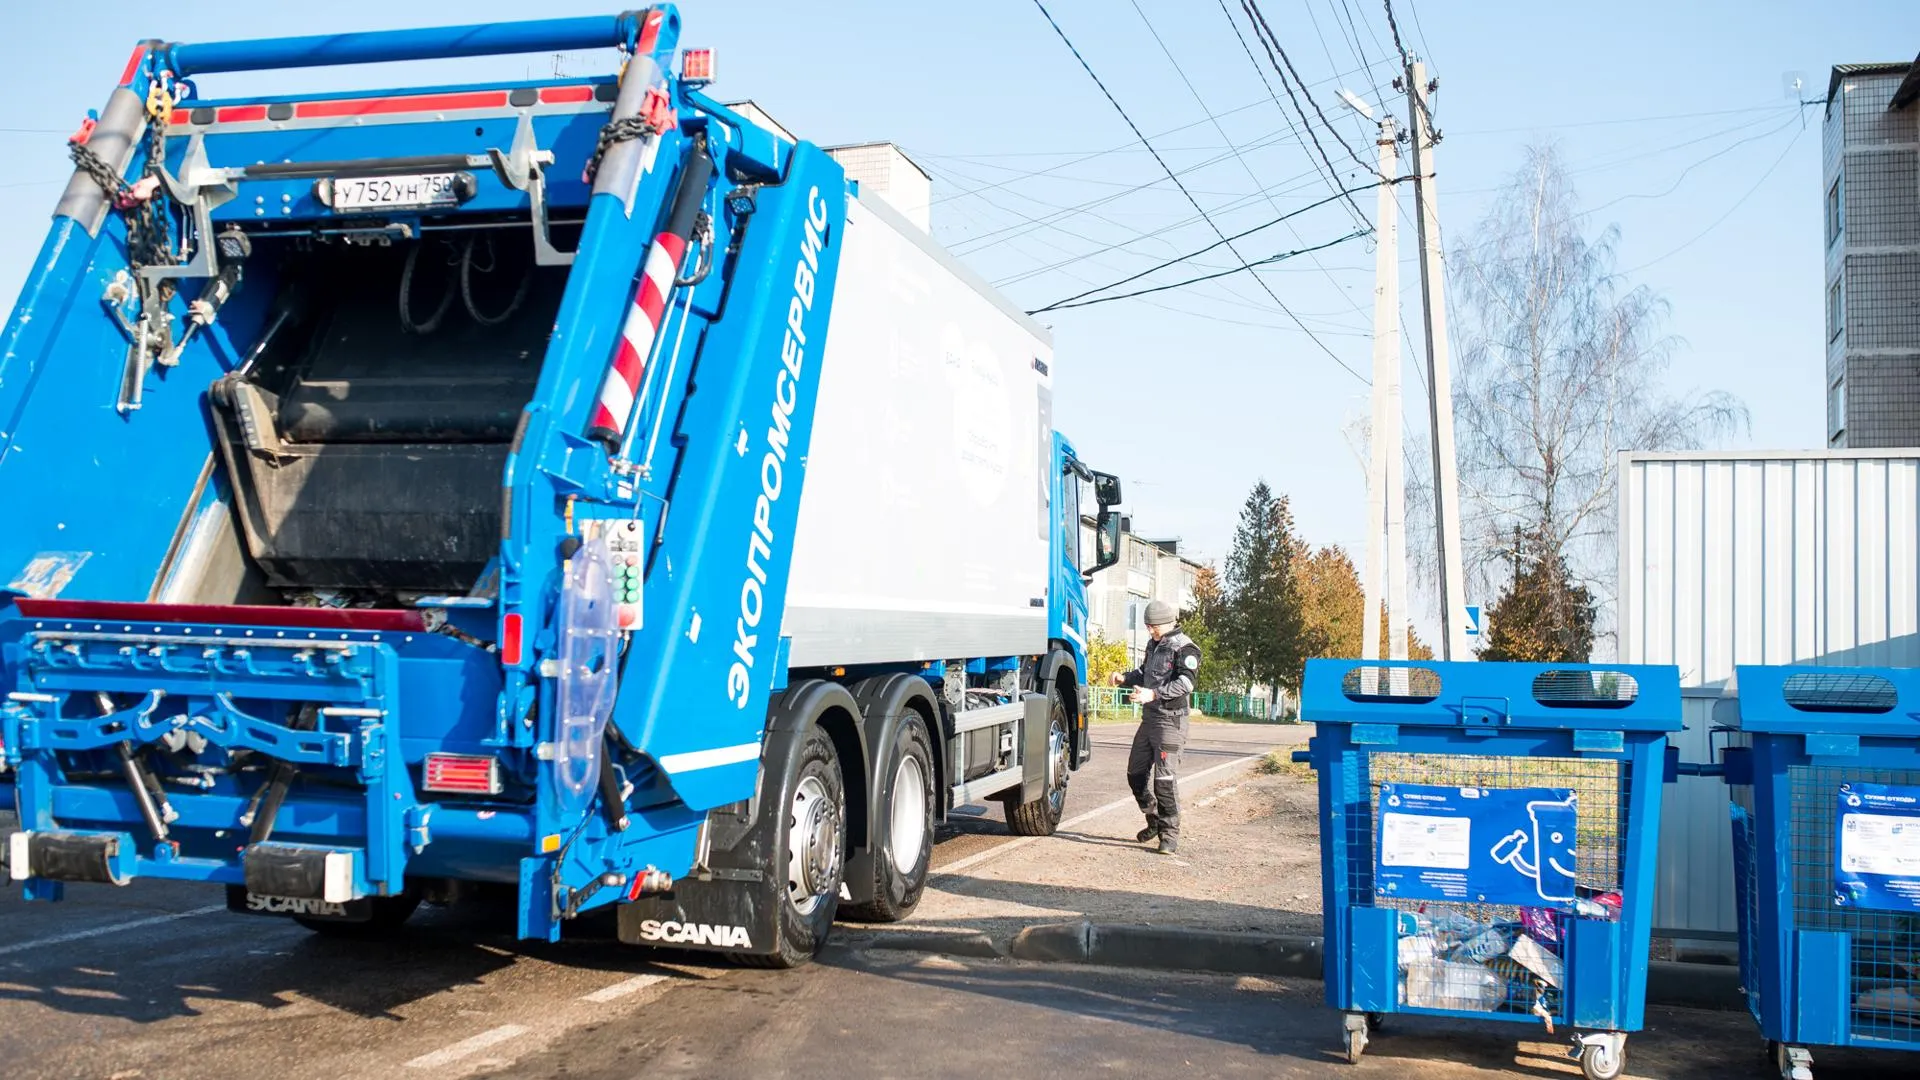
column 196, row 966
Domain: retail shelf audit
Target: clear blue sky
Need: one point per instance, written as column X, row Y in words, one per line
column 1674, row 116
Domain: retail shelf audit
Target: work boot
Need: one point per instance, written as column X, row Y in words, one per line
column 1169, row 845
column 1152, row 830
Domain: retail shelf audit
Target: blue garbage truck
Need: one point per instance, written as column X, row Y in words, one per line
column 567, row 489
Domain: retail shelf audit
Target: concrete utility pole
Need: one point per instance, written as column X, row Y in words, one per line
column 1446, row 478
column 1385, row 493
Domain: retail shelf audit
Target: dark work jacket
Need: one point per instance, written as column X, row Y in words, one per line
column 1168, row 669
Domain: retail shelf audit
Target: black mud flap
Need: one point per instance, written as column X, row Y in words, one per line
column 250, row 903
column 732, row 911
column 714, row 916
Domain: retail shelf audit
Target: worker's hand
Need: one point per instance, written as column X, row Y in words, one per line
column 1116, row 678
column 1143, row 697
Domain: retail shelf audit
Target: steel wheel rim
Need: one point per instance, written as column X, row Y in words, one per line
column 1057, row 766
column 909, row 809
column 813, row 845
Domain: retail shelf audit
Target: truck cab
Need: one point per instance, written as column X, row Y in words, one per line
column 519, row 486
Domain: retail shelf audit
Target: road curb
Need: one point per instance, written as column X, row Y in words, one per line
column 1169, row 948
column 968, row 943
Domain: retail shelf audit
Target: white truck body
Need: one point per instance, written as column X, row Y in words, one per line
column 931, row 388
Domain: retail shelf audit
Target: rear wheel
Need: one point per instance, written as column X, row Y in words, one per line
column 903, row 830
column 809, row 856
column 390, row 913
column 1042, row 816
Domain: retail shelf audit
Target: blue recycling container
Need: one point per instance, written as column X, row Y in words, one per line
column 1487, row 846
column 1824, row 780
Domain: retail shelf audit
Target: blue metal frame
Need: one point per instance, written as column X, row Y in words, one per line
column 383, row 46
column 1486, row 711
column 1798, row 968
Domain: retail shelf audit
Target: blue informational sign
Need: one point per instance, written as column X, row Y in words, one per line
column 1876, row 848
column 1477, row 845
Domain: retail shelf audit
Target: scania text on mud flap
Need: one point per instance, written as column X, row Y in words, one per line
column 550, row 487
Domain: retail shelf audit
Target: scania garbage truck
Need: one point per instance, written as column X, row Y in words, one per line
column 569, row 489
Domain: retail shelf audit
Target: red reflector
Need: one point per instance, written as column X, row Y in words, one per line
column 240, row 114
column 472, row 99
column 465, row 774
column 566, row 95
column 510, row 640
column 696, row 65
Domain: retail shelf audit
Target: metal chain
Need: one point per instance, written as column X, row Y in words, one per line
column 625, row 129
column 149, row 239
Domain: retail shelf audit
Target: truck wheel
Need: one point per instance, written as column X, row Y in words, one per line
column 390, row 913
column 1041, row 816
column 809, row 857
column 903, row 845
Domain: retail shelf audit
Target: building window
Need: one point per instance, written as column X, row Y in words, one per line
column 1133, row 616
column 1837, row 408
column 1836, row 212
column 1142, row 558
column 1836, row 311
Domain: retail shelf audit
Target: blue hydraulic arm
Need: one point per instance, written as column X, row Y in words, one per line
column 381, row 46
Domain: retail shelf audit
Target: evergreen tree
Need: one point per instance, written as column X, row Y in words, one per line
column 1264, row 632
column 1545, row 616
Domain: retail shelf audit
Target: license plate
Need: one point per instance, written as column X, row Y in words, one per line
column 414, row 191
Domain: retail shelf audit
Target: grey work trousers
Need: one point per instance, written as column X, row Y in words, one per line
column 1153, row 771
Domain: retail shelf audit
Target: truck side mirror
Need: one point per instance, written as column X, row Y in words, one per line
column 1106, row 541
column 1106, row 490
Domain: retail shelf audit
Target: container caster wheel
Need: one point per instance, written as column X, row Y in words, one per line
column 1603, row 1056
column 1357, row 1026
column 1794, row 1062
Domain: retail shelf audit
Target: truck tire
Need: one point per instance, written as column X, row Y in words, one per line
column 1042, row 816
column 390, row 913
column 809, row 857
column 903, row 830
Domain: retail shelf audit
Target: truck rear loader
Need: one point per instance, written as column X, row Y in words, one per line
column 568, row 489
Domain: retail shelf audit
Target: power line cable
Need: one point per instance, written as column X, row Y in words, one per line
column 1084, row 156
column 1393, row 25
column 1678, row 180
column 1282, row 63
column 1183, row 188
column 1217, row 243
column 1103, row 200
column 1414, row 10
column 1251, row 175
column 1332, row 174
column 1730, row 210
column 1354, row 21
column 1282, row 256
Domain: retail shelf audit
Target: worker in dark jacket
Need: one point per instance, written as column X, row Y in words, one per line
column 1161, row 685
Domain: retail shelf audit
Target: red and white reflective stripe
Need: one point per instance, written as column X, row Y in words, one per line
column 621, row 391
column 649, row 36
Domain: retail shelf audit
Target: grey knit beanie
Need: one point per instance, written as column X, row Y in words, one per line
column 1161, row 613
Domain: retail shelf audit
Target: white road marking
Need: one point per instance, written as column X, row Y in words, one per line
column 622, row 989
column 97, row 931
column 467, row 1047
column 1217, row 796
column 972, row 861
column 542, row 1029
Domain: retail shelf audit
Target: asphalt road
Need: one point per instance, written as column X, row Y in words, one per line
column 158, row 980
column 1102, row 781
